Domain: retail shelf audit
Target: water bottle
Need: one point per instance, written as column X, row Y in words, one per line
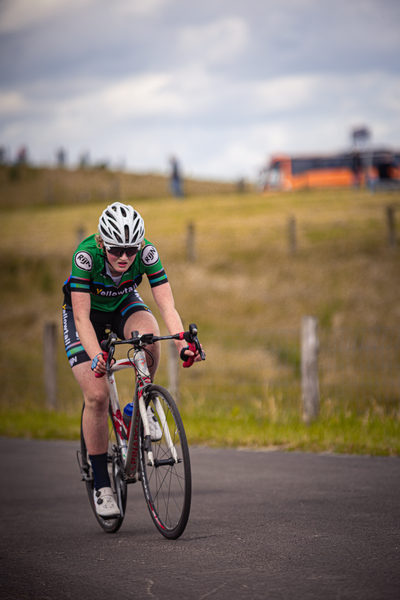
column 127, row 416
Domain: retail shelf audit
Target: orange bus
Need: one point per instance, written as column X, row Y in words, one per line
column 345, row 169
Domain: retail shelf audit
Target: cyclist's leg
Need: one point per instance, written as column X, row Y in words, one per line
column 95, row 390
column 118, row 485
column 96, row 435
column 95, row 414
column 97, row 396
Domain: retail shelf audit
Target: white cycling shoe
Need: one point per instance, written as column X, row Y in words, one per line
column 106, row 507
column 155, row 429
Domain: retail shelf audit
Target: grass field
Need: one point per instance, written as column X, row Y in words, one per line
column 245, row 291
column 22, row 185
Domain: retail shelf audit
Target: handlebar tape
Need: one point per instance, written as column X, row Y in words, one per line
column 187, row 336
column 190, row 359
column 104, row 345
column 98, row 375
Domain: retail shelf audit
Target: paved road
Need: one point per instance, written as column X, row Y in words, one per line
column 263, row 525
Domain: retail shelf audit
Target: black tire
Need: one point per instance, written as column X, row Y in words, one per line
column 117, row 479
column 167, row 486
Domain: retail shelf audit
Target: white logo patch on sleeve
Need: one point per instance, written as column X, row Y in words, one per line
column 84, row 260
column 149, row 255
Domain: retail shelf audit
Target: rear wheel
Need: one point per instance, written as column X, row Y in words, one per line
column 117, row 479
column 167, row 485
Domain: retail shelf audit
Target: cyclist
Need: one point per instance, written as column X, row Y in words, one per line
column 101, row 293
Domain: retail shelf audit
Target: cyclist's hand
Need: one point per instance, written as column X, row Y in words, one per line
column 189, row 355
column 99, row 365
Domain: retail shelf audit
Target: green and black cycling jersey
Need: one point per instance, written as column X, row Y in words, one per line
column 90, row 274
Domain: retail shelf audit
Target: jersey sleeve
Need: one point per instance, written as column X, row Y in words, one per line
column 151, row 265
column 82, row 265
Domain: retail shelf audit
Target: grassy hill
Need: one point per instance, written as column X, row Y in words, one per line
column 21, row 185
column 246, row 291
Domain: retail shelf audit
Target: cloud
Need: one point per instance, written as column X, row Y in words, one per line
column 11, row 103
column 139, row 7
column 119, row 103
column 218, row 127
column 213, row 43
column 221, row 84
column 18, row 15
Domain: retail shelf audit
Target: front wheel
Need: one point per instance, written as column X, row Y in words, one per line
column 167, row 485
column 115, row 471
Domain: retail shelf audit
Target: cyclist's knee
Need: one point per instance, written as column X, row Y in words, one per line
column 97, row 401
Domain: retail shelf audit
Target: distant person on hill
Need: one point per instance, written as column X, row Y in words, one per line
column 22, row 156
column 176, row 179
column 386, row 167
column 356, row 166
column 387, row 173
column 61, row 158
column 101, row 292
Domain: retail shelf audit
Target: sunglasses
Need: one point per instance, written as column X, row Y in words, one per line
column 117, row 251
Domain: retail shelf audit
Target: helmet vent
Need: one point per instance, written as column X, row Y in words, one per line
column 111, row 215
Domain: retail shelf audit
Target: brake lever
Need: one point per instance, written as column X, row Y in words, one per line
column 108, row 349
column 196, row 341
column 199, row 348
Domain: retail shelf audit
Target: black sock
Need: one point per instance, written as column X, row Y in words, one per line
column 100, row 471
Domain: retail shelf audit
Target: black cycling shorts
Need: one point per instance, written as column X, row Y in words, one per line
column 102, row 323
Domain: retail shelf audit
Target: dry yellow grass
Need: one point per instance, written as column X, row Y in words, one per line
column 24, row 186
column 243, row 282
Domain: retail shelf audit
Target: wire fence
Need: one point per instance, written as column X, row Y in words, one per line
column 355, row 366
column 361, row 365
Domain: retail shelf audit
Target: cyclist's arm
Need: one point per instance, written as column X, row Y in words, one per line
column 81, row 308
column 165, row 302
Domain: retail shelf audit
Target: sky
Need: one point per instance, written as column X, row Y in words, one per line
column 220, row 84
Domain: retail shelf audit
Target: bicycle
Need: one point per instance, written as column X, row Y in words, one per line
column 161, row 463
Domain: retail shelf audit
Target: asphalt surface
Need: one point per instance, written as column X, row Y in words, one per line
column 263, row 525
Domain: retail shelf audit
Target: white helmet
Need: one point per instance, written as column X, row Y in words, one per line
column 121, row 225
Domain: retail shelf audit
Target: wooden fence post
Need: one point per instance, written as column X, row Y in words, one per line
column 173, row 371
column 309, row 368
column 391, row 221
column 50, row 364
column 292, row 236
column 190, row 242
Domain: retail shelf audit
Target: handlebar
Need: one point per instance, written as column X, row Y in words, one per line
column 146, row 339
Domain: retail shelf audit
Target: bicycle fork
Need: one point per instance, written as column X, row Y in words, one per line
column 165, row 429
